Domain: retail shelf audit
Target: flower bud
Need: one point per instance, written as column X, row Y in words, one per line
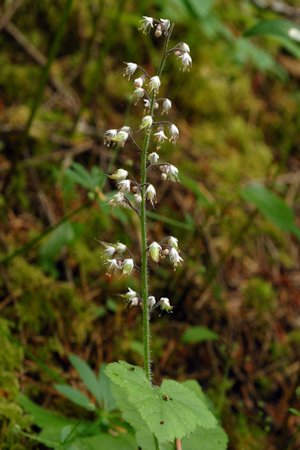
column 124, row 186
column 175, row 258
column 127, row 266
column 151, row 194
column 146, row 122
column 184, row 47
column 120, row 138
column 153, row 158
column 158, row 31
column 121, row 248
column 174, row 133
column 138, row 198
column 154, row 251
column 164, row 304
column 151, row 301
column 163, row 176
column 186, row 61
column 117, row 200
column 109, row 250
column 167, row 105
column 173, row 242
column 139, row 93
column 108, row 136
column 154, row 84
column 131, row 294
column 165, row 25
column 119, row 175
column 166, row 252
column 135, row 301
column 138, row 82
column 172, row 173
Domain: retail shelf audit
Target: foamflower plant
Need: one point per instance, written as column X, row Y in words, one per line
column 161, row 416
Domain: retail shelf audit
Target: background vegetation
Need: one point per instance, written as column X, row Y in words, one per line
column 235, row 211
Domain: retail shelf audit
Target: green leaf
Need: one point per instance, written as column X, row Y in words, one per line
column 75, row 396
column 79, row 175
column 108, row 400
column 214, row 439
column 104, row 441
column 198, row 8
column 64, row 234
column 272, row 207
column 170, row 411
column 295, row 411
column 50, row 422
column 281, row 30
column 198, row 334
column 87, row 376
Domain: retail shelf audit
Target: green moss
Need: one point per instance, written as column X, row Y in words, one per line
column 260, row 295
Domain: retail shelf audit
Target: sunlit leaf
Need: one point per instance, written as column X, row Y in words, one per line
column 272, row 207
column 87, row 376
column 198, row 334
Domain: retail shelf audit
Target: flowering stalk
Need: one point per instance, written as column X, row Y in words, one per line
column 146, row 88
column 143, row 219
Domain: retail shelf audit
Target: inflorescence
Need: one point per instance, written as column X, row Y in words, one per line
column 130, row 191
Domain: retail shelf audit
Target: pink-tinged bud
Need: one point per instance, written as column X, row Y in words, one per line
column 138, row 82
column 158, row 31
column 127, row 266
column 138, row 198
column 129, row 69
column 154, row 251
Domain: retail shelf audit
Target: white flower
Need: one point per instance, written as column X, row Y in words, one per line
column 175, row 258
column 151, row 194
column 294, row 33
column 165, row 24
column 127, row 266
column 108, row 136
column 109, row 250
column 151, row 301
column 129, row 69
column 113, row 265
column 118, row 200
column 124, row 186
column 186, row 61
column 172, row 173
column 119, row 175
column 154, row 84
column 134, row 301
column 138, row 82
column 121, row 137
column 153, row 158
column 138, row 198
column 121, row 248
column 174, row 132
column 164, row 304
column 154, row 251
column 146, row 122
column 130, row 294
column 160, row 136
column 167, row 105
column 184, row 47
column 173, row 242
column 126, row 128
column 146, row 24
column 147, row 103
column 139, row 92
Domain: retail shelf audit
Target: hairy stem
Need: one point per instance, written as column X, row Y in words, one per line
column 144, row 261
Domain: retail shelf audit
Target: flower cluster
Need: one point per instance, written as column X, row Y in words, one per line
column 136, row 194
